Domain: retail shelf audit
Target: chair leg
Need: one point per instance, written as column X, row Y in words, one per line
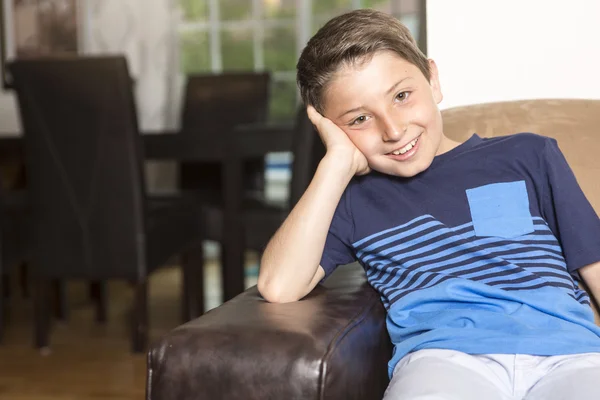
column 41, row 313
column 24, row 279
column 192, row 265
column 59, row 291
column 99, row 295
column 1, row 311
column 6, row 286
column 139, row 318
column 232, row 268
column 4, row 303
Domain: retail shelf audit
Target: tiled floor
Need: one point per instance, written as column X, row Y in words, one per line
column 90, row 360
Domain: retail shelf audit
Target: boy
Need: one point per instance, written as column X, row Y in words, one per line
column 475, row 247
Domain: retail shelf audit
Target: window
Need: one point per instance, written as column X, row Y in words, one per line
column 227, row 35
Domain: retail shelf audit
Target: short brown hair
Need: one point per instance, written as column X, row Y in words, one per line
column 350, row 38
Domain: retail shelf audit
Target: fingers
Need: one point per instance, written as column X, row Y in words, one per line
column 324, row 126
column 317, row 120
column 335, row 139
column 314, row 115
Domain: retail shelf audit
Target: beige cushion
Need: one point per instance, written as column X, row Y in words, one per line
column 575, row 124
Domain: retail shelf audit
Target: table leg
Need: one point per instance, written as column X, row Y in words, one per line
column 232, row 253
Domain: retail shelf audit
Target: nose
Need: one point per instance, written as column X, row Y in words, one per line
column 393, row 130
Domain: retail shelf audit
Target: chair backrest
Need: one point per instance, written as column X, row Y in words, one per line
column 224, row 100
column 575, row 124
column 84, row 166
column 308, row 150
column 214, row 104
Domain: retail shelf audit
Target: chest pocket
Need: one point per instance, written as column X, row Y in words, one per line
column 500, row 209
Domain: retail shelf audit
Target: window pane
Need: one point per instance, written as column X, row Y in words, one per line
column 194, row 10
column 323, row 11
column 280, row 49
column 237, row 50
column 279, row 8
column 330, row 8
column 195, row 52
column 283, row 100
column 235, row 9
column 382, row 5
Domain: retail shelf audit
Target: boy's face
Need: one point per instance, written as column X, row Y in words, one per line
column 389, row 111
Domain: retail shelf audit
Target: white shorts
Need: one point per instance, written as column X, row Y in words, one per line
column 448, row 374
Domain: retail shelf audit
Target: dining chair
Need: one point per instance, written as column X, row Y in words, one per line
column 91, row 216
column 213, row 104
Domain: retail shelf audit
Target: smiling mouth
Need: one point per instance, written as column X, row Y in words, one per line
column 406, row 148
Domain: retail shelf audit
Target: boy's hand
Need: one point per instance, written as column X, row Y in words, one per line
column 337, row 143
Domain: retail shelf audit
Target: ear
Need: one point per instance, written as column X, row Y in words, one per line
column 434, row 82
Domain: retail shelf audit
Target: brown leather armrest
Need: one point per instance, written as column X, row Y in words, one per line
column 331, row 345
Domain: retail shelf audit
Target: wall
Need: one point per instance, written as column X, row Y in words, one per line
column 499, row 50
column 144, row 30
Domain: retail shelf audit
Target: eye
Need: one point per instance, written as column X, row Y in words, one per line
column 359, row 120
column 402, row 96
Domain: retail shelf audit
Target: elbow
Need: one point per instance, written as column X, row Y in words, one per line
column 274, row 293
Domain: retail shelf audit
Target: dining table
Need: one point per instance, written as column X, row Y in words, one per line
column 228, row 148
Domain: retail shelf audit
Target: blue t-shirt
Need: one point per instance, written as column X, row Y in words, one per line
column 479, row 253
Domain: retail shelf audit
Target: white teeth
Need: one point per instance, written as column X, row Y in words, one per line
column 405, row 148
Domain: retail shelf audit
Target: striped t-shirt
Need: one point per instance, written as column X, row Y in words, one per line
column 479, row 253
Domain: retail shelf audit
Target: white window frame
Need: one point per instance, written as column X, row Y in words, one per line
column 213, row 26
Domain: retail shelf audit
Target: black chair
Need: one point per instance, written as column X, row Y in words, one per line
column 91, row 217
column 256, row 219
column 212, row 105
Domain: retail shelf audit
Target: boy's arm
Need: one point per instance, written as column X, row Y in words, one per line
column 591, row 277
column 290, row 264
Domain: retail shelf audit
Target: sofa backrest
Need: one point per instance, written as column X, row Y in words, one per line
column 575, row 124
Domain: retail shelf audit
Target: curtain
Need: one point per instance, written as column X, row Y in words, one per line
column 146, row 32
